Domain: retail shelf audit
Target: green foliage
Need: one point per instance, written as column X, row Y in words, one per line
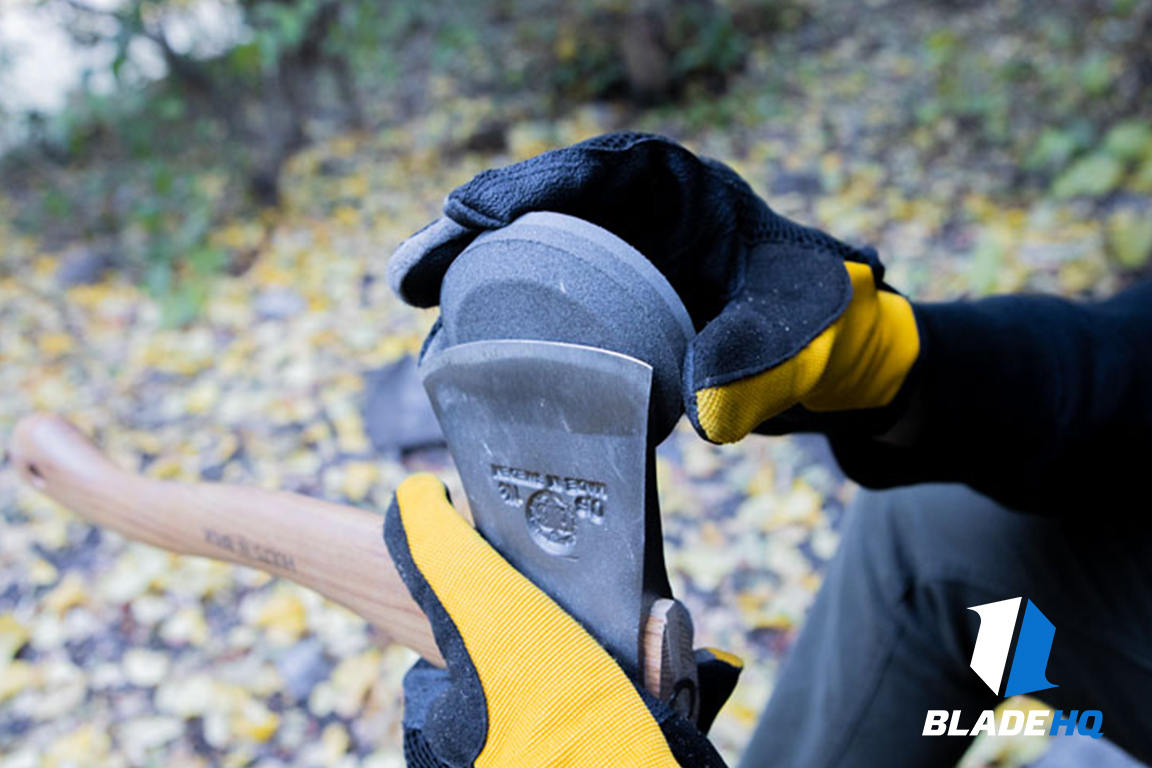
column 172, row 225
column 1087, row 167
column 1094, row 174
column 1130, row 239
column 1043, row 88
column 161, row 164
column 1142, row 178
column 705, row 39
column 280, row 27
column 968, row 87
column 1056, row 147
column 245, row 110
column 987, row 263
column 1096, row 73
column 1129, row 140
column 571, row 52
column 134, row 157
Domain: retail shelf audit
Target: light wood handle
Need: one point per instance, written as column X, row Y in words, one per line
column 334, row 549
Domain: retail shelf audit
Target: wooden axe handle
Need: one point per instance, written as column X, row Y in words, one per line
column 334, row 549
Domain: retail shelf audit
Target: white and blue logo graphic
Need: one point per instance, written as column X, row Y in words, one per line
column 1028, row 673
column 990, row 657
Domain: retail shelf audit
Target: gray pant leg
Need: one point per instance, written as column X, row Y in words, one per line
column 890, row 637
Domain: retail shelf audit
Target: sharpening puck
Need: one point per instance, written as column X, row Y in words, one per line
column 552, row 277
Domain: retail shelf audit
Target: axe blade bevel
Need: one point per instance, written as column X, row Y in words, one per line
column 551, row 443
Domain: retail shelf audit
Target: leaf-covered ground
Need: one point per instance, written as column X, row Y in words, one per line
column 113, row 653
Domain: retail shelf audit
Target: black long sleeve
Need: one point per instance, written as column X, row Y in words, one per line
column 1041, row 403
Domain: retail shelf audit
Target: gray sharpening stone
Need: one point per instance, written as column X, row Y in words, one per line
column 552, row 277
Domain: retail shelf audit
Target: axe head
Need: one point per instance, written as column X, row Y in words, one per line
column 551, row 443
column 554, row 371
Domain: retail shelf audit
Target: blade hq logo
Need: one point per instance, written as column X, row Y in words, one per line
column 1028, row 674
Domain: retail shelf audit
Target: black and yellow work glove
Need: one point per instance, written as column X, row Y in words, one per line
column 797, row 330
column 525, row 684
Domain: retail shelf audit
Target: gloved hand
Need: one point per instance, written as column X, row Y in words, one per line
column 796, row 329
column 525, row 684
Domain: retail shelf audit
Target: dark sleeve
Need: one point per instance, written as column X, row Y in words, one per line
column 1041, row 403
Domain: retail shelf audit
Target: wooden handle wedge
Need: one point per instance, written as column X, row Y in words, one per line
column 334, row 549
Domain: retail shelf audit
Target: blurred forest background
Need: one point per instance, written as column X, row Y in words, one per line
column 186, row 115
column 197, row 200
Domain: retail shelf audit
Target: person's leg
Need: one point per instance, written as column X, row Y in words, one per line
column 890, row 635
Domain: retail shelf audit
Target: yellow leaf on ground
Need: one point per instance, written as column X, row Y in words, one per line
column 185, row 626
column 352, row 679
column 13, row 636
column 202, row 397
column 254, row 722
column 71, row 592
column 358, row 479
column 83, row 747
column 15, row 677
column 283, row 617
column 1130, row 239
column 56, row 344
